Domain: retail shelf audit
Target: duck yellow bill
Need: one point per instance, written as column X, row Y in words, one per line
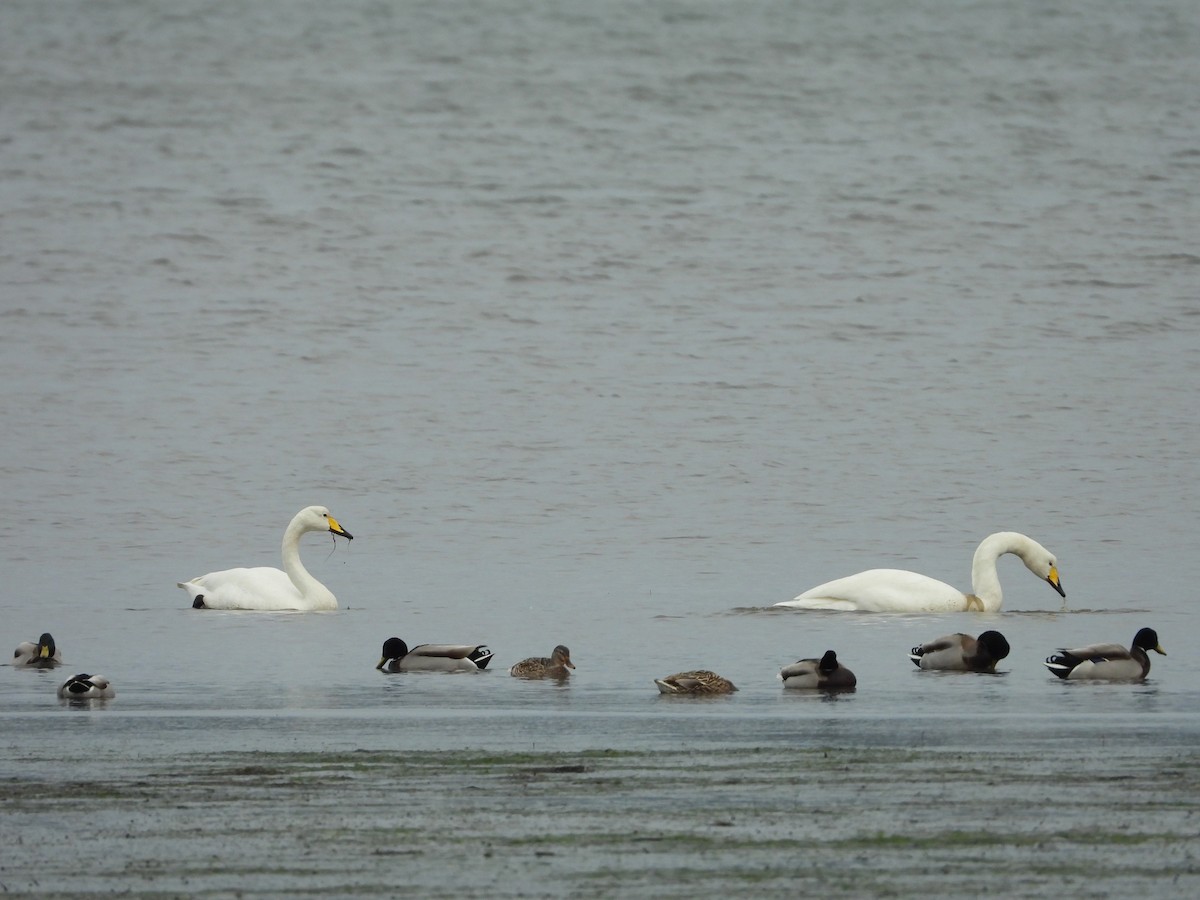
column 1054, row 582
column 1158, row 649
column 339, row 530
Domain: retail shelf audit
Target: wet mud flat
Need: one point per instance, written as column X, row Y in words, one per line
column 845, row 822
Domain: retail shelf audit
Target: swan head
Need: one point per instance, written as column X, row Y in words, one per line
column 318, row 518
column 1147, row 639
column 1041, row 562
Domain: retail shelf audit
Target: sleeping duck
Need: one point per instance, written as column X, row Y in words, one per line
column 698, row 681
column 433, row 657
column 556, row 665
column 86, row 687
column 962, row 653
column 1107, row 662
column 825, row 673
column 42, row 655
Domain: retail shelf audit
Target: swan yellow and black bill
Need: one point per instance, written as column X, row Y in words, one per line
column 338, row 529
column 1052, row 578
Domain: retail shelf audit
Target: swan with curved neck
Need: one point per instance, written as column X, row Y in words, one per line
column 897, row 590
column 266, row 588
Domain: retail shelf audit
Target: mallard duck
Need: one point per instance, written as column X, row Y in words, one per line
column 699, row 681
column 86, row 687
column 897, row 590
column 433, row 657
column 961, row 652
column 42, row 655
column 556, row 665
column 265, row 588
column 1108, row 662
column 825, row 673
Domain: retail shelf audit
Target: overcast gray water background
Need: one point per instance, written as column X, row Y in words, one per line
column 607, row 324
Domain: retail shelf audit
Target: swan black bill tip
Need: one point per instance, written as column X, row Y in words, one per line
column 341, row 532
column 1057, row 585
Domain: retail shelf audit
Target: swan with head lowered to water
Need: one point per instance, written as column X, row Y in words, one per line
column 897, row 590
column 266, row 588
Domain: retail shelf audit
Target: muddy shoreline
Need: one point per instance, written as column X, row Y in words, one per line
column 844, row 822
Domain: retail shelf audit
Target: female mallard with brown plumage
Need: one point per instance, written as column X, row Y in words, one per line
column 699, row 681
column 556, row 665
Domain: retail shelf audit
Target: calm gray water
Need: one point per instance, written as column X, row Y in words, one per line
column 601, row 323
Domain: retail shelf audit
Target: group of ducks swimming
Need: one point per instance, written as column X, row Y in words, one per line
column 397, row 657
column 46, row 655
column 952, row 653
column 875, row 590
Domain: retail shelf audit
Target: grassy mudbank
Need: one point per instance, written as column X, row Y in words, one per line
column 844, row 822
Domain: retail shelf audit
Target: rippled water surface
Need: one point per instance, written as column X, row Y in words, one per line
column 601, row 324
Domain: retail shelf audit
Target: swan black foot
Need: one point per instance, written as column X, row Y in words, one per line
column 198, row 603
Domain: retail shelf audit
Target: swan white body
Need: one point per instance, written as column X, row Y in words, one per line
column 266, row 588
column 897, row 590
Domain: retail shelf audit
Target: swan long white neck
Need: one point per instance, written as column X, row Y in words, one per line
column 310, row 589
column 985, row 580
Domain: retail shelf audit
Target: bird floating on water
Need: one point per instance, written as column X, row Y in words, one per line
column 898, row 590
column 557, row 665
column 86, row 687
column 961, row 652
column 42, row 655
column 1107, row 662
column 698, row 681
column 397, row 657
column 825, row 673
column 267, row 588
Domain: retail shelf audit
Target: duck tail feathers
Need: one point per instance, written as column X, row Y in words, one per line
column 1060, row 665
column 481, row 656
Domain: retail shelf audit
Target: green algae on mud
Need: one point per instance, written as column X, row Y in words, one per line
column 847, row 822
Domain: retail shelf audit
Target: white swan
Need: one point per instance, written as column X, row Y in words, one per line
column 265, row 588
column 897, row 590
